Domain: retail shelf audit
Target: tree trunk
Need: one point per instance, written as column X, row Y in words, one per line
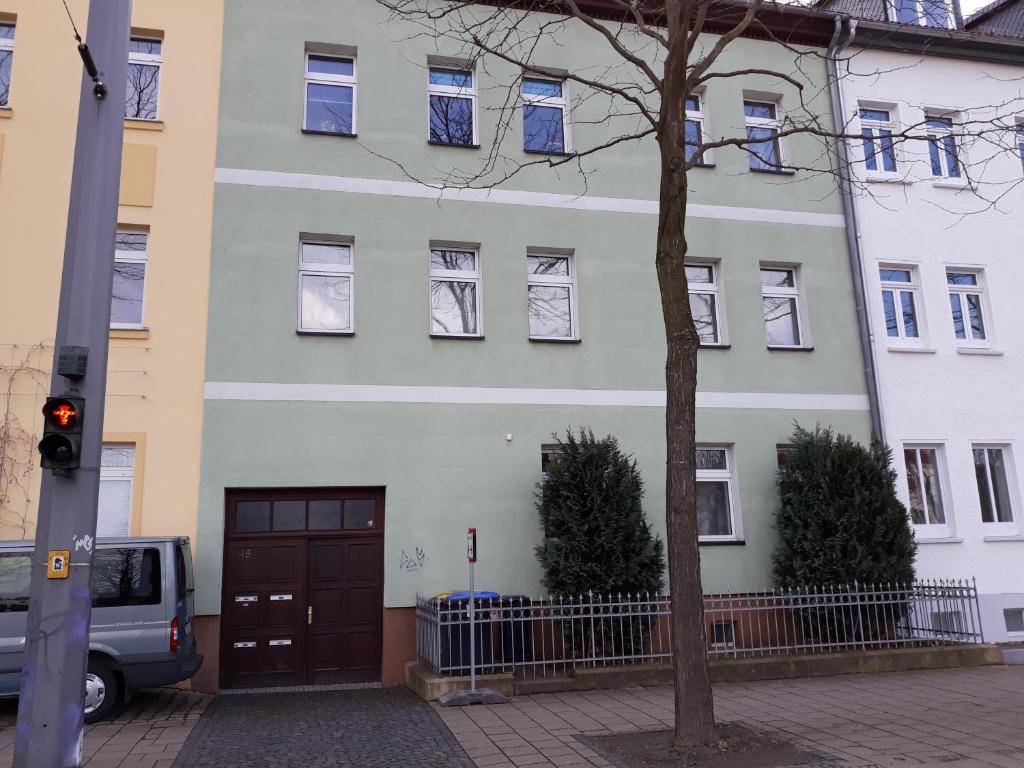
column 694, row 704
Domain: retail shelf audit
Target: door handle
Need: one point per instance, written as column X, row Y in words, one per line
column 309, row 614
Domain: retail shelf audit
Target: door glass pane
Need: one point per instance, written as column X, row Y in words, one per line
column 713, row 518
column 997, row 465
column 360, row 513
column 452, row 306
column 15, row 580
column 328, row 108
column 325, row 515
column 780, row 321
column 252, row 516
column 550, row 311
column 289, row 515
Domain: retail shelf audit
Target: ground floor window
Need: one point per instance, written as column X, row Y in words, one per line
column 117, row 477
column 714, row 493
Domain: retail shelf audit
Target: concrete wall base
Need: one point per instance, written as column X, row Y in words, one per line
column 430, row 686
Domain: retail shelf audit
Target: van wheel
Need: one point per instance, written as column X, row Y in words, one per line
column 102, row 691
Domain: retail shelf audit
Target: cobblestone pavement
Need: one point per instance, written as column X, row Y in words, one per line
column 955, row 718
column 387, row 727
column 146, row 733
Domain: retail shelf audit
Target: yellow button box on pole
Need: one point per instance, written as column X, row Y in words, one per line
column 58, row 563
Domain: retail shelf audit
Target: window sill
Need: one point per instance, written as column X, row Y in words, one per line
column 545, row 152
column 466, row 337
column 715, row 346
column 456, row 146
column 777, row 348
column 300, row 332
column 6, row 112
column 774, row 171
column 545, row 340
column 143, row 125
column 938, row 540
column 979, row 351
column 914, row 350
column 721, row 542
column 129, row 333
column 886, row 179
column 1009, row 537
column 704, row 165
column 311, row 132
column 946, row 184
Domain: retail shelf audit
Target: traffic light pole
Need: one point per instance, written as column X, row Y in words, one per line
column 49, row 730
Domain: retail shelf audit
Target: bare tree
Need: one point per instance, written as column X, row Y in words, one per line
column 663, row 53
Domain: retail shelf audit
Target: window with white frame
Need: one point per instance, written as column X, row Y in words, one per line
column 900, row 302
column 545, row 116
column 127, row 297
column 715, row 493
column 549, row 453
column 695, row 128
column 924, row 483
column 551, row 295
column 763, row 125
column 1020, row 141
column 452, row 103
column 145, row 57
column 330, row 104
column 326, row 277
column 455, row 292
column 117, row 476
column 877, row 127
column 993, row 473
column 966, row 303
column 924, row 13
column 780, row 300
column 6, row 61
column 702, row 284
column 943, row 154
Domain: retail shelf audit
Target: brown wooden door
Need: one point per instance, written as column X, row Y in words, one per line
column 345, row 601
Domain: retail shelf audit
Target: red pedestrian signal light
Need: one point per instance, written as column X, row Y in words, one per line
column 61, row 414
column 61, row 447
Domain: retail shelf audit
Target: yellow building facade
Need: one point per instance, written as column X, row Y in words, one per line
column 150, row 466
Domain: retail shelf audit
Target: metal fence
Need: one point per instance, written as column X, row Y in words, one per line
column 550, row 636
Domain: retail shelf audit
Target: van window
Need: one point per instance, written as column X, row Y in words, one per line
column 15, row 579
column 179, row 573
column 123, row 577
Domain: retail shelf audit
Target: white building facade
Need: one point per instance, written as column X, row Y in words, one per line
column 940, row 226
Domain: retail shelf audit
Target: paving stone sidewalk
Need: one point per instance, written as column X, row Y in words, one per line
column 956, row 718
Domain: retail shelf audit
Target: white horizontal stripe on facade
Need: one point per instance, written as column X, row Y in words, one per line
column 642, row 398
column 310, row 181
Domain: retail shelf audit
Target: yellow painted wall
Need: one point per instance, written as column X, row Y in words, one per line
column 155, row 382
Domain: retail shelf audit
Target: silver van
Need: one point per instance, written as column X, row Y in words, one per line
column 141, row 633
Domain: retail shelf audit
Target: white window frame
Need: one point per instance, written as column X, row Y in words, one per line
column 8, row 45
column 134, row 257
column 559, row 281
column 447, row 90
column 963, row 291
column 150, row 59
column 996, row 528
column 764, row 122
column 729, row 476
column 121, row 474
column 711, row 289
column 779, row 292
column 700, row 117
column 892, row 125
column 926, row 530
column 1019, row 139
column 935, row 134
column 329, row 270
column 921, row 16
column 901, row 340
column 456, row 276
column 561, row 103
column 319, row 78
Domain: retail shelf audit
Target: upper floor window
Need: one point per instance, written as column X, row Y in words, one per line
column 326, row 276
column 1020, row 142
column 145, row 56
column 6, row 61
column 715, row 493
column 781, row 304
column 695, row 127
column 991, row 469
column 551, row 296
column 965, row 302
column 452, row 97
column 545, row 116
column 942, row 148
column 131, row 254
column 330, row 94
column 925, row 13
column 454, row 292
column 924, row 481
column 702, row 283
column 762, row 121
column 899, row 302
column 877, row 127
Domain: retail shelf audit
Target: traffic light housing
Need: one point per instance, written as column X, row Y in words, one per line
column 61, row 446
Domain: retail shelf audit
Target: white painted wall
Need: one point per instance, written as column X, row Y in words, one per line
column 937, row 392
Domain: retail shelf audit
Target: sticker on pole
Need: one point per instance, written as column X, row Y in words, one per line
column 471, row 545
column 58, row 562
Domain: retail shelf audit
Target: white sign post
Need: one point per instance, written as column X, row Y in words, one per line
column 471, row 557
